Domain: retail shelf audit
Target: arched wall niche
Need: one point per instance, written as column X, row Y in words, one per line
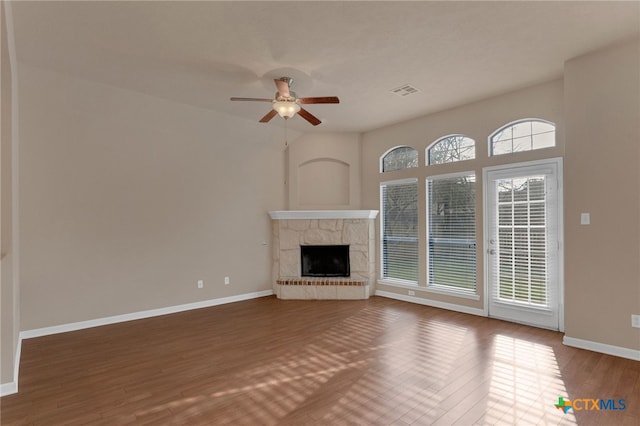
column 323, row 182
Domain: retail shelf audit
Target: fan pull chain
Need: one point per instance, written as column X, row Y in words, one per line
column 286, row 139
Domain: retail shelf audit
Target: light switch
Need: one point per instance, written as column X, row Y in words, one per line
column 585, row 219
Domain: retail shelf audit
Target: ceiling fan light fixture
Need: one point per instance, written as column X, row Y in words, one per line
column 286, row 104
column 286, row 109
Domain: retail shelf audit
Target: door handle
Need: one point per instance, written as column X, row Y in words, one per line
column 492, row 251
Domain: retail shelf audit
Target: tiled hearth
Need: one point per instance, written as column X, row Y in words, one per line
column 291, row 229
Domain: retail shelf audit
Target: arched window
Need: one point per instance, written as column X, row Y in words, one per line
column 402, row 157
column 450, row 149
column 523, row 135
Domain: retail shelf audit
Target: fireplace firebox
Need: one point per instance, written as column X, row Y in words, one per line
column 325, row 261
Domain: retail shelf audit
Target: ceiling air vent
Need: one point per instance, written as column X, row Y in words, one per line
column 405, row 90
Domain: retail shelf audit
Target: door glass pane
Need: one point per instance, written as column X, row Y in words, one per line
column 522, row 261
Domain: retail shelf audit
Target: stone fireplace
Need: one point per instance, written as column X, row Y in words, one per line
column 294, row 229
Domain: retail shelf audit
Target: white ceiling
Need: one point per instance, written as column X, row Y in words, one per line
column 202, row 53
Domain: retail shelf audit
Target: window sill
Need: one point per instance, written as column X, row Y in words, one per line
column 399, row 283
column 523, row 307
column 452, row 292
column 432, row 289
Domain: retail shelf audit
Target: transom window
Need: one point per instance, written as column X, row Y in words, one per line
column 450, row 149
column 524, row 135
column 400, row 158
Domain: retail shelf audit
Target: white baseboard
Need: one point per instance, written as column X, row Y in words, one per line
column 12, row 387
column 8, row 388
column 45, row 331
column 602, row 348
column 432, row 303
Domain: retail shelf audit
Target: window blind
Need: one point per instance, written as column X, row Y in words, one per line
column 399, row 207
column 451, row 232
column 522, row 233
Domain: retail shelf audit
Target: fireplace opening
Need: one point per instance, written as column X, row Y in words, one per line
column 325, row 261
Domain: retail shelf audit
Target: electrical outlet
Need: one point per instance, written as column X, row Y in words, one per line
column 585, row 219
column 412, row 293
column 200, row 283
column 226, row 281
column 635, row 321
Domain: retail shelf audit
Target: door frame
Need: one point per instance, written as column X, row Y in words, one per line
column 557, row 162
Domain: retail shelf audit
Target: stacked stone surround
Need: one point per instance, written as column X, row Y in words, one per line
column 293, row 229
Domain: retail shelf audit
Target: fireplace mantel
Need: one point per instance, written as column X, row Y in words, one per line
column 323, row 214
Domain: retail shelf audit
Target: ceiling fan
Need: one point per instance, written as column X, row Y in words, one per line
column 286, row 104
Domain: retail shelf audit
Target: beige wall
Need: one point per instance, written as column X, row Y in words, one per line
column 324, row 172
column 602, row 162
column 127, row 200
column 478, row 121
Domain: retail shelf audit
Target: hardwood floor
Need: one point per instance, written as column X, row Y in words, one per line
column 276, row 362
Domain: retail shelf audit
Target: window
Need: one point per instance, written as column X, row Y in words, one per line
column 400, row 158
column 450, row 149
column 525, row 135
column 399, row 220
column 451, row 232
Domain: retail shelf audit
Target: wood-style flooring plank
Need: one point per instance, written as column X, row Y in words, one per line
column 276, row 362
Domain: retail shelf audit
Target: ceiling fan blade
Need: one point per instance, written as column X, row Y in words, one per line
column 268, row 116
column 252, row 99
column 320, row 100
column 283, row 87
column 309, row 117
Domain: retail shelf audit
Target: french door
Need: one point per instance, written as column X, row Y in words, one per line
column 523, row 242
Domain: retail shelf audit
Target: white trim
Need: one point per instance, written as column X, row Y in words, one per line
column 515, row 166
column 63, row 328
column 323, row 214
column 410, row 285
column 432, row 303
column 397, row 282
column 399, row 181
column 506, row 169
column 604, row 348
column 8, row 388
column 12, row 387
column 451, row 291
column 452, row 175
